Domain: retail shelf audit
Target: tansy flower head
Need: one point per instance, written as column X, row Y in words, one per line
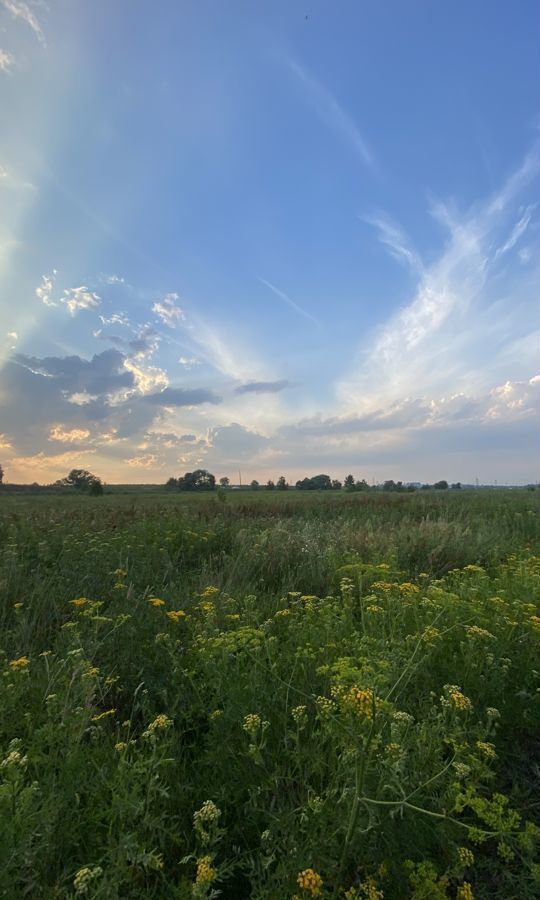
column 21, row 663
column 466, row 856
column 205, row 871
column 176, row 615
column 310, row 882
column 160, row 723
column 156, row 601
column 103, row 715
column 464, row 892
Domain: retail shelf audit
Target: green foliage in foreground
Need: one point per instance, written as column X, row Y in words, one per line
column 332, row 697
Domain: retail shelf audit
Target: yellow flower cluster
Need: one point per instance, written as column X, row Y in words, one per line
column 430, row 634
column 252, row 723
column 156, row 601
column 454, row 698
column 282, row 612
column 383, row 585
column 176, row 615
column 464, row 892
column 84, row 876
column 21, row 663
column 209, row 592
column 407, row 588
column 310, row 882
column 466, row 856
column 487, row 749
column 370, row 890
column 360, row 701
column 80, row 601
column 475, row 631
column 207, row 814
column 207, row 607
column 103, row 715
column 205, row 871
column 160, row 723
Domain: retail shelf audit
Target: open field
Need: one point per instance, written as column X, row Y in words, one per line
column 270, row 695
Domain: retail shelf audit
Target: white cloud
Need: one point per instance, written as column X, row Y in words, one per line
column 7, row 61
column 517, row 231
column 394, row 239
column 119, row 318
column 5, row 444
column 168, row 310
column 68, row 436
column 189, row 361
column 147, row 461
column 446, row 337
column 80, row 298
column 332, row 113
column 148, row 379
column 114, row 279
column 45, row 289
column 23, row 12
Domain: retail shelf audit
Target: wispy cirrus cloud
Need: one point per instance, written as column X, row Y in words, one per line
column 438, row 340
column 25, row 13
column 7, row 61
column 332, row 113
column 392, row 236
column 80, row 298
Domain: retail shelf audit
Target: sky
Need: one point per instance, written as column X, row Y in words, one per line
column 270, row 237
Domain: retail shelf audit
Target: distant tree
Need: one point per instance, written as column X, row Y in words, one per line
column 321, row 482
column 199, row 480
column 95, row 488
column 456, row 486
column 224, row 482
column 80, row 479
column 270, row 486
column 171, row 484
column 389, row 485
column 305, row 484
column 281, row 484
column 361, row 485
column 336, row 484
column 348, row 484
column 441, row 485
column 1, row 474
column 254, row 485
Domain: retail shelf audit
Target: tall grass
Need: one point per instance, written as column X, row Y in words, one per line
column 272, row 696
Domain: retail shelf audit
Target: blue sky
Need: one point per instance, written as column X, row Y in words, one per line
column 276, row 237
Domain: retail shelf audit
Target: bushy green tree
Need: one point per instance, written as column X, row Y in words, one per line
column 281, row 484
column 199, row 480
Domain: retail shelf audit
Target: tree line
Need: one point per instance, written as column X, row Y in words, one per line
column 203, row 480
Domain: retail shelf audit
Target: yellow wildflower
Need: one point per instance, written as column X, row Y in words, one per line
column 370, row 890
column 80, row 601
column 20, row 606
column 156, row 601
column 160, row 723
column 103, row 715
column 176, row 615
column 453, row 697
column 84, row 876
column 360, row 701
column 21, row 663
column 464, row 892
column 466, row 856
column 487, row 749
column 205, row 871
column 121, row 745
column 252, row 723
column 310, row 882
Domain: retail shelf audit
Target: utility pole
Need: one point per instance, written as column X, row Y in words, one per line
column 240, row 477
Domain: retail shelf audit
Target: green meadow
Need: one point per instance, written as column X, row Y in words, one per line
column 253, row 695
